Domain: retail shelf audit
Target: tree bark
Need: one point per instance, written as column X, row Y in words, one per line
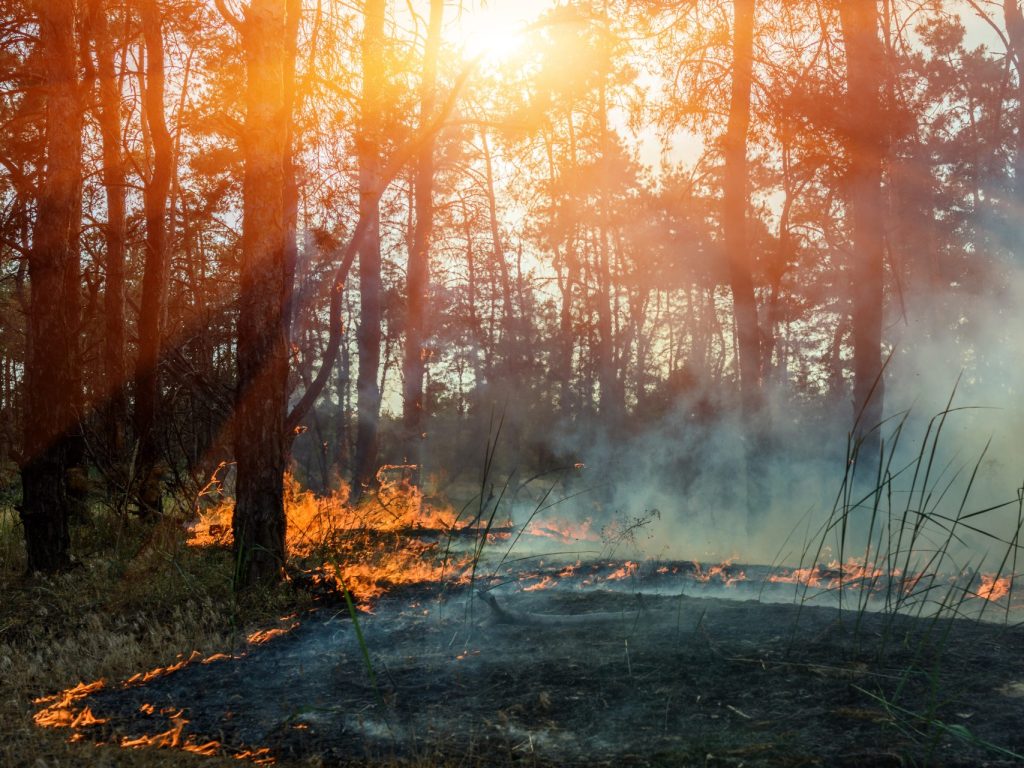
column 734, row 207
column 258, row 522
column 293, row 9
column 154, row 277
column 52, row 367
column 115, row 365
column 1013, row 18
column 866, row 146
column 612, row 395
column 510, row 341
column 418, row 271
column 368, row 335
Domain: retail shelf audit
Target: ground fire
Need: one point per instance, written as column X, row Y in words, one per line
column 512, row 383
column 403, row 564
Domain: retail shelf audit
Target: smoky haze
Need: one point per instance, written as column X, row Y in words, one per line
column 681, row 483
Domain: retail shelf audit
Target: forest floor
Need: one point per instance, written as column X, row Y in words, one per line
column 667, row 680
column 138, row 598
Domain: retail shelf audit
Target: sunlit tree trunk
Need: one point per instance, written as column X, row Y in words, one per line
column 52, row 383
column 368, row 335
column 418, row 272
column 866, row 146
column 115, row 366
column 734, row 206
column 260, row 443
column 154, row 278
column 291, row 186
column 735, row 201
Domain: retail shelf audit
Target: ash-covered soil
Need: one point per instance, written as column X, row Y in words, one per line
column 648, row 680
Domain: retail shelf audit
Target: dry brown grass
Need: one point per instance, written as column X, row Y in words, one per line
column 143, row 598
column 139, row 599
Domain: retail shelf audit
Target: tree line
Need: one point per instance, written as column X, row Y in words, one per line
column 316, row 234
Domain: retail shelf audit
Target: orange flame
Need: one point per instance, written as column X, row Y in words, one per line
column 153, row 674
column 564, row 531
column 569, row 570
column 61, row 713
column 993, row 588
column 544, row 583
column 853, row 573
column 266, row 635
column 720, row 572
column 168, row 739
column 174, row 738
column 362, row 545
column 627, row 569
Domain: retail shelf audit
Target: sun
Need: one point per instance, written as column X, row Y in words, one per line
column 493, row 33
column 491, row 45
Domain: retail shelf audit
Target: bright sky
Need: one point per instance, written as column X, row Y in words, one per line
column 495, row 28
column 491, row 28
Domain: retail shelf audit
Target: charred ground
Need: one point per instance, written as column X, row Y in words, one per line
column 651, row 680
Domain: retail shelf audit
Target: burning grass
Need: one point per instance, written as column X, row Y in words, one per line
column 366, row 549
column 564, row 531
column 138, row 597
column 600, row 677
column 143, row 593
column 143, row 590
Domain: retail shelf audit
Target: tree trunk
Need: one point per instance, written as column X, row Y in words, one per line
column 734, row 207
column 154, row 277
column 735, row 200
column 612, row 403
column 418, row 272
column 293, row 9
column 864, row 67
column 260, row 442
column 344, row 379
column 368, row 335
column 1013, row 18
column 481, row 359
column 115, row 365
column 52, row 368
column 510, row 344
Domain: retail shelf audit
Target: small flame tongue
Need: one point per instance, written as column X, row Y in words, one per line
column 994, row 587
column 564, row 531
column 832, row 576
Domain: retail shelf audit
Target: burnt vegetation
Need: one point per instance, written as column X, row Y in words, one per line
column 517, row 382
